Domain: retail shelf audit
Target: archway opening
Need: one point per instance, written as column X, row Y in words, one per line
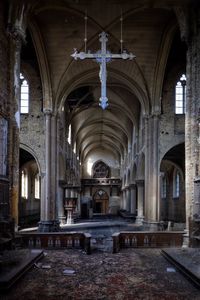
column 100, row 202
column 172, row 185
column 30, row 190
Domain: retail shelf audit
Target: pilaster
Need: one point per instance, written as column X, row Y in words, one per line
column 140, row 198
column 152, row 192
column 133, row 198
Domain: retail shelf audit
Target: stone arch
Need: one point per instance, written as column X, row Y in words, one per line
column 172, row 207
column 29, row 188
column 125, row 81
column 32, row 152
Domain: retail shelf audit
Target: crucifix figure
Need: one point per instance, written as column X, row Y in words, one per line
column 102, row 57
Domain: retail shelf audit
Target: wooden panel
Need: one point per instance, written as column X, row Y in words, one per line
column 147, row 239
column 57, row 240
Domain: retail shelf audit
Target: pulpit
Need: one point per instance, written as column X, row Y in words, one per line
column 70, row 203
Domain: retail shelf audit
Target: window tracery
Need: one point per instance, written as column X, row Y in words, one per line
column 101, row 170
column 24, row 95
column 180, row 95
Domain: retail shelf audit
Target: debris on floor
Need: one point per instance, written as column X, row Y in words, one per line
column 131, row 274
column 171, row 270
column 69, row 272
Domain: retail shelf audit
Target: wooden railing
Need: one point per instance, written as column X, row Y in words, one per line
column 57, row 240
column 147, row 239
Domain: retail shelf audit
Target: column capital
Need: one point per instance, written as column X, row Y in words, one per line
column 47, row 111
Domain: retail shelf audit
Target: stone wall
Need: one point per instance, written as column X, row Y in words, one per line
column 32, row 124
column 172, row 126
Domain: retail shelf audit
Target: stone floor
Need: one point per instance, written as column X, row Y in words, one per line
column 130, row 274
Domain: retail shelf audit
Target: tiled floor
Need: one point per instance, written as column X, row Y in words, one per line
column 130, row 274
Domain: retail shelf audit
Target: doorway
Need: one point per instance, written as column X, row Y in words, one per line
column 100, row 202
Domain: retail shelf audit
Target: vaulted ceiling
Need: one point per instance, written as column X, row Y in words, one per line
column 133, row 87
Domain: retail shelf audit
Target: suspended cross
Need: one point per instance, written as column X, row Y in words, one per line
column 102, row 57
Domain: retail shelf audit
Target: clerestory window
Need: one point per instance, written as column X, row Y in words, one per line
column 24, row 184
column 24, row 95
column 69, row 139
column 180, row 95
column 164, row 187
column 37, row 186
column 176, row 191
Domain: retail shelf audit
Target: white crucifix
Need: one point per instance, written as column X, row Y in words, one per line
column 102, row 57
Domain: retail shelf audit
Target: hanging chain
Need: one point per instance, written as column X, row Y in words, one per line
column 85, row 39
column 121, row 35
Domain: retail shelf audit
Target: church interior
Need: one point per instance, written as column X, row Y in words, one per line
column 100, row 125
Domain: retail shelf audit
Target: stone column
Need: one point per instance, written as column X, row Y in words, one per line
column 61, row 140
column 53, row 164
column 140, row 198
column 123, row 198
column 60, row 205
column 133, row 198
column 47, row 206
column 127, row 199
column 152, row 193
column 48, row 222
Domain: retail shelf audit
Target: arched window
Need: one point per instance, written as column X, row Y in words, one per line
column 180, row 95
column 164, row 187
column 24, row 184
column 24, row 96
column 69, row 134
column 37, row 186
column 176, row 181
column 74, row 150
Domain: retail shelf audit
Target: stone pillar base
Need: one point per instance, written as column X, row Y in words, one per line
column 139, row 220
column 49, row 226
column 151, row 226
column 62, row 220
column 186, row 239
